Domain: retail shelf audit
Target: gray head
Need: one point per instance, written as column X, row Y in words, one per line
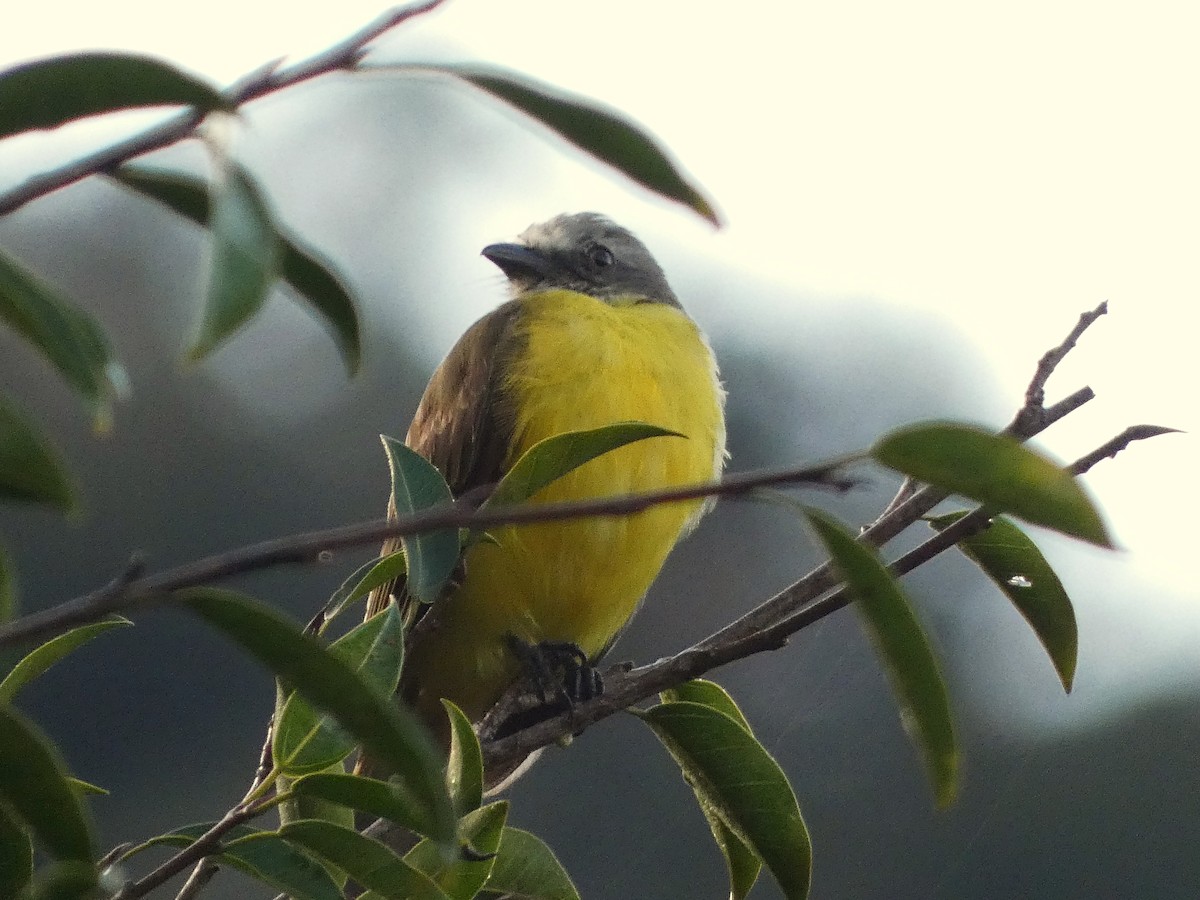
column 583, row 252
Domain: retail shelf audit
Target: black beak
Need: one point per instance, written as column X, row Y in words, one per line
column 519, row 261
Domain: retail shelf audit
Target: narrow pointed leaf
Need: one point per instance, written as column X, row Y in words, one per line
column 369, row 862
column 47, row 93
column 462, row 878
column 907, row 656
column 1009, row 558
column 306, row 741
column 391, row 734
column 33, row 783
column 596, row 130
column 998, row 472
column 381, row 799
column 742, row 863
column 526, row 868
column 738, row 782
column 312, row 278
column 29, row 470
column 65, row 335
column 86, row 787
column 41, row 659
column 245, row 255
column 365, row 579
column 417, row 485
column 552, row 458
column 464, row 768
column 16, row 856
column 8, row 576
column 263, row 855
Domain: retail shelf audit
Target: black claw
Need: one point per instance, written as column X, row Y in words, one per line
column 560, row 669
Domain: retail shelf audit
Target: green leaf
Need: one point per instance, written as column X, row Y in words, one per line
column 365, row 579
column 369, row 862
column 417, row 485
column 47, row 93
column 596, row 130
column 312, row 278
column 526, row 868
column 29, row 470
column 464, row 768
column 8, row 572
column 997, row 471
column 907, row 657
column 33, row 782
column 86, row 787
column 741, row 861
column 738, row 782
column 67, row 880
column 263, row 855
column 555, row 456
column 1013, row 561
column 381, row 799
column 16, row 855
column 245, row 254
column 390, row 733
column 462, row 878
column 306, row 741
column 70, row 339
column 41, row 659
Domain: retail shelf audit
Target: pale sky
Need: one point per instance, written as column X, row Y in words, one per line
column 1006, row 166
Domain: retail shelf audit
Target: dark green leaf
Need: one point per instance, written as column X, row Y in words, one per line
column 67, row 880
column 526, row 869
column 1014, row 563
column 552, row 458
column 33, row 782
column 29, row 470
column 906, row 653
column 598, row 131
column 741, row 861
column 65, row 335
column 245, row 254
column 8, row 572
column 997, row 471
column 370, row 863
column 738, row 782
column 47, row 93
column 462, row 878
column 417, row 485
column 16, row 855
column 464, row 769
column 391, row 734
column 312, row 278
column 306, row 741
column 263, row 855
column 41, row 659
column 382, row 799
column 365, row 579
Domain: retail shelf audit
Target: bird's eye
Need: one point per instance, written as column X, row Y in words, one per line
column 600, row 256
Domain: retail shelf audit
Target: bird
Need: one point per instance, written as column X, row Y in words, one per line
column 592, row 335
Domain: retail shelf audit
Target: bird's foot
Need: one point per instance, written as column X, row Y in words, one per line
column 559, row 670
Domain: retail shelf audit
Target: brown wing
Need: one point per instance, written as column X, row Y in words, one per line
column 464, row 422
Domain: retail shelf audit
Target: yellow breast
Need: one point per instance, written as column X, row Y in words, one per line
column 583, row 363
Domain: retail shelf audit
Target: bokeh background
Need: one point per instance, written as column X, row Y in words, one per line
column 919, row 199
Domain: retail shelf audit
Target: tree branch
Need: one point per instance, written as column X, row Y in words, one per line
column 267, row 79
column 128, row 592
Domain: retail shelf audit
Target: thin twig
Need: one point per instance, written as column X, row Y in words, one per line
column 624, row 688
column 266, row 79
column 201, row 875
column 304, row 548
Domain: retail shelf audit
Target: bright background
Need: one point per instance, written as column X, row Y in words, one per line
column 919, row 200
